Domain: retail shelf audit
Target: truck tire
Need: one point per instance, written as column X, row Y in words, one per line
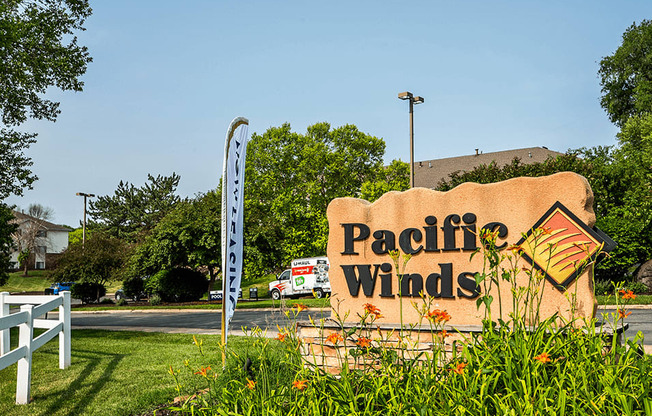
column 276, row 295
column 319, row 294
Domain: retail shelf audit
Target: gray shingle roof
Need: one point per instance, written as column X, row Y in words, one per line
column 20, row 218
column 429, row 173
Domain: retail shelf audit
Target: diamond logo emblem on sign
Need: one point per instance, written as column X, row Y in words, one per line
column 561, row 246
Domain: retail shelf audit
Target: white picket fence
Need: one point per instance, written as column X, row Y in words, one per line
column 32, row 308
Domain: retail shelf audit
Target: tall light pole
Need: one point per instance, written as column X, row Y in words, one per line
column 84, row 223
column 413, row 100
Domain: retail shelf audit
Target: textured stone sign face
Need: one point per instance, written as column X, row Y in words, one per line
column 440, row 230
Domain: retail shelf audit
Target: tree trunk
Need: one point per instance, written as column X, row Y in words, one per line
column 211, row 279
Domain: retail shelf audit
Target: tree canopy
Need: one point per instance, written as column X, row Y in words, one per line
column 290, row 180
column 395, row 177
column 626, row 75
column 7, row 228
column 100, row 260
column 38, row 50
column 131, row 212
column 188, row 236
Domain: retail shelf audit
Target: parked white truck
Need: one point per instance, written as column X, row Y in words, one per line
column 307, row 276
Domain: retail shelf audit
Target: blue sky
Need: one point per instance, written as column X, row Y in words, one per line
column 169, row 76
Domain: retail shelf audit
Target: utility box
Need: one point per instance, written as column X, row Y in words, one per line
column 253, row 293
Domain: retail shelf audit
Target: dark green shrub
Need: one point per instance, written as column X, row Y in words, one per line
column 134, row 287
column 177, row 285
column 107, row 301
column 121, row 302
column 87, row 292
column 603, row 287
column 151, row 285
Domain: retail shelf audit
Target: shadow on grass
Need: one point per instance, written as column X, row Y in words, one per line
column 86, row 383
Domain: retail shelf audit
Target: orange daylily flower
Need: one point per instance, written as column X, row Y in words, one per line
column 370, row 309
column 363, row 342
column 443, row 334
column 300, row 307
column 204, row 371
column 515, row 249
column 300, row 384
column 622, row 314
column 334, row 338
column 251, row 384
column 459, row 369
column 438, row 316
column 281, row 336
column 545, row 230
column 543, row 358
column 627, row 294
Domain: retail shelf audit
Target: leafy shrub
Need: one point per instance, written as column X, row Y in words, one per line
column 107, row 301
column 121, row 302
column 87, row 292
column 133, row 287
column 151, row 283
column 603, row 287
column 637, row 287
column 154, row 300
column 177, row 285
column 607, row 288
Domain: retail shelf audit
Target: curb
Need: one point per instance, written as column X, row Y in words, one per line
column 118, row 311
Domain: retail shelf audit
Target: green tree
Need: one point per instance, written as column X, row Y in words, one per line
column 188, row 236
column 131, row 212
column 395, row 177
column 290, row 180
column 100, row 260
column 38, row 50
column 626, row 76
column 7, row 228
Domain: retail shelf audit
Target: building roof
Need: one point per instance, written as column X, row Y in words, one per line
column 21, row 218
column 429, row 173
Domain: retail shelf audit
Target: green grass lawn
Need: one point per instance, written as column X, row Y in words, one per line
column 37, row 281
column 112, row 373
column 611, row 300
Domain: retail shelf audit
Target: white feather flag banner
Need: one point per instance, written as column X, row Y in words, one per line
column 235, row 153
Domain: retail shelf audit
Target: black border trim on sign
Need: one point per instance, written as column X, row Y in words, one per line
column 601, row 237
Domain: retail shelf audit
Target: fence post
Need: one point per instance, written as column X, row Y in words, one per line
column 4, row 335
column 24, row 377
column 65, row 335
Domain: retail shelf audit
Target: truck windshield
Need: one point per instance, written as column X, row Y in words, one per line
column 285, row 275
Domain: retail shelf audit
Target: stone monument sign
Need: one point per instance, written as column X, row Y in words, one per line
column 441, row 230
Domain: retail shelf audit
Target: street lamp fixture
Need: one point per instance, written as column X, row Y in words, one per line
column 413, row 100
column 84, row 223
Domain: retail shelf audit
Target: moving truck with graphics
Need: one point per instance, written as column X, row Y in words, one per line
column 306, row 277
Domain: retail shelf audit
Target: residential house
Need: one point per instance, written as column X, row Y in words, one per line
column 45, row 241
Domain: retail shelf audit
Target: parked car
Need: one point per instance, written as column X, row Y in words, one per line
column 58, row 287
